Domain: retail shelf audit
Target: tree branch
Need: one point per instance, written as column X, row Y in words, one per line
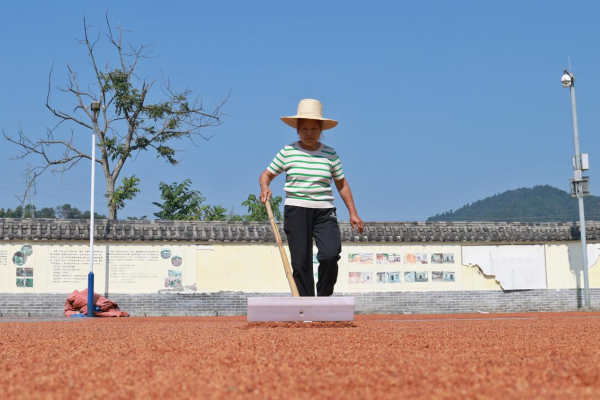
column 60, row 114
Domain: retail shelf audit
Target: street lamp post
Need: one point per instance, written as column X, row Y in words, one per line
column 580, row 185
column 95, row 107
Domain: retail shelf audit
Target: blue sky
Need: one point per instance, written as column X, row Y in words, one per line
column 440, row 103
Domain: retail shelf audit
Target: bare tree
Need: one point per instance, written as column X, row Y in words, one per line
column 127, row 123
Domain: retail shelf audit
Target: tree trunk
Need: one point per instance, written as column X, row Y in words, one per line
column 110, row 189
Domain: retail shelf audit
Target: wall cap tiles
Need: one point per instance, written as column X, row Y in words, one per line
column 248, row 232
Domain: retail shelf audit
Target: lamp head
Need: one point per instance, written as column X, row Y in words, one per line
column 566, row 80
column 95, row 106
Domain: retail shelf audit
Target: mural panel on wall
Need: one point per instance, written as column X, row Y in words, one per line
column 118, row 268
column 357, row 262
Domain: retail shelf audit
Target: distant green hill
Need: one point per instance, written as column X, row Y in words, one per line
column 538, row 204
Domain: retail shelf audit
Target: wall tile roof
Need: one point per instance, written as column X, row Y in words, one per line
column 216, row 231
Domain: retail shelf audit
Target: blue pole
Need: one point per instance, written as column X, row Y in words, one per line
column 90, row 310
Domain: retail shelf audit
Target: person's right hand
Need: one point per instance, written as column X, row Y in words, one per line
column 265, row 194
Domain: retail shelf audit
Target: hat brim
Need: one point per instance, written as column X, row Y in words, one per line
column 293, row 121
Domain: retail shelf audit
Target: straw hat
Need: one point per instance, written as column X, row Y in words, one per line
column 309, row 109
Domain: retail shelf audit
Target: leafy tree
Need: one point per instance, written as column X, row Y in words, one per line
column 45, row 212
column 127, row 191
column 180, row 202
column 27, row 212
column 10, row 213
column 143, row 217
column 67, row 211
column 31, row 211
column 215, row 213
column 258, row 211
column 127, row 124
column 86, row 215
column 232, row 216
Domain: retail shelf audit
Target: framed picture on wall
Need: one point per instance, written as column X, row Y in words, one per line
column 381, row 258
column 421, row 276
column 437, row 258
column 449, row 276
column 448, row 258
column 360, row 258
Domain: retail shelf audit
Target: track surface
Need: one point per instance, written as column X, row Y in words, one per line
column 495, row 356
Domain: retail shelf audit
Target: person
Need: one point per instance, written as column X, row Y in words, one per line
column 309, row 212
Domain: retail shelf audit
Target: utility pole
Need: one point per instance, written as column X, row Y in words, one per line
column 580, row 185
column 95, row 107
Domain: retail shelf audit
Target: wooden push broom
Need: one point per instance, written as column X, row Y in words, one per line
column 286, row 263
column 296, row 308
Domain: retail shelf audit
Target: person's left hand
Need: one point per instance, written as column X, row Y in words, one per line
column 357, row 223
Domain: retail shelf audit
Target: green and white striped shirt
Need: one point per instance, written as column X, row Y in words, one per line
column 308, row 175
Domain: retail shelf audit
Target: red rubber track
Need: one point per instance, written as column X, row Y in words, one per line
column 494, row 356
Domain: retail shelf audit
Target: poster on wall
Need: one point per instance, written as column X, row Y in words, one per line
column 421, row 258
column 416, row 276
column 28, row 283
column 120, row 268
column 394, row 259
column 382, row 258
column 173, row 283
column 360, row 278
column 514, row 267
column 388, row 259
column 360, row 258
column 165, row 254
column 393, row 277
column 173, row 280
column 448, row 258
column 366, row 277
column 442, row 276
column 23, row 271
column 132, row 267
column 449, row 276
column 388, row 277
column 437, row 258
column 3, row 258
column 69, row 266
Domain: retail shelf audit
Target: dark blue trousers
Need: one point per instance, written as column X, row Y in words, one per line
column 301, row 226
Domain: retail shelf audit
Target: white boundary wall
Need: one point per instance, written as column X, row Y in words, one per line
column 150, row 267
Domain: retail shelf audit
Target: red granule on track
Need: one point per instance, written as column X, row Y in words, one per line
column 495, row 356
column 302, row 325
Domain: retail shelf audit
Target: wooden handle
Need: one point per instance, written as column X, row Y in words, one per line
column 286, row 263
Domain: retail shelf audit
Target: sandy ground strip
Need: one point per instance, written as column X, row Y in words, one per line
column 480, row 356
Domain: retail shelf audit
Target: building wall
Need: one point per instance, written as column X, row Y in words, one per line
column 258, row 268
column 208, row 267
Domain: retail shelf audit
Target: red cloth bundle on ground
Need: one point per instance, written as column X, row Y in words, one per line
column 77, row 304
